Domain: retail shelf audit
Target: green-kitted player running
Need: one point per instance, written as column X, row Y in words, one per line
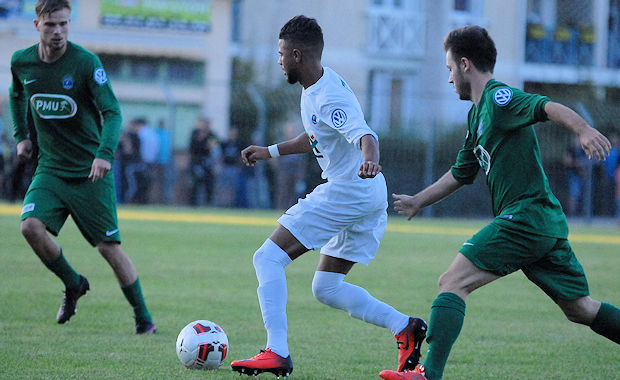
column 77, row 119
column 529, row 232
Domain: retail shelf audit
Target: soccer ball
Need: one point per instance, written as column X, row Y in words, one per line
column 202, row 344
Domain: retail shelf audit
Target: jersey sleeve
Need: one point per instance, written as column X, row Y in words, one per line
column 466, row 166
column 108, row 106
column 512, row 108
column 343, row 115
column 18, row 105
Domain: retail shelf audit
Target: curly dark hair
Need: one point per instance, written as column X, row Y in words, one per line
column 304, row 31
column 474, row 43
column 45, row 7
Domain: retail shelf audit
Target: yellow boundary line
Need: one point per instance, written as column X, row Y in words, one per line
column 184, row 217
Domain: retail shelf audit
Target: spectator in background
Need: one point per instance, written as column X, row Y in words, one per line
column 291, row 173
column 149, row 150
column 165, row 165
column 133, row 168
column 203, row 151
column 228, row 181
column 612, row 170
column 575, row 165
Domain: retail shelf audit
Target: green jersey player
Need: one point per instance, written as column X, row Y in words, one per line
column 529, row 232
column 77, row 119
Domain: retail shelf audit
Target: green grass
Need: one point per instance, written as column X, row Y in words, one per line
column 198, row 270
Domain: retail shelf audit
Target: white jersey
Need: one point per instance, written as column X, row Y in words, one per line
column 334, row 122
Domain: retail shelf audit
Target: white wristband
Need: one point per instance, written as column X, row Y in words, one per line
column 273, row 150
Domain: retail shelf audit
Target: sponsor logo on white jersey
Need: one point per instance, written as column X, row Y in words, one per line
column 339, row 117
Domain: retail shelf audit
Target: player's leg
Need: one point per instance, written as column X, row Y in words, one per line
column 560, row 275
column 93, row 208
column 127, row 277
column 43, row 211
column 329, row 287
column 602, row 317
column 270, row 260
column 448, row 311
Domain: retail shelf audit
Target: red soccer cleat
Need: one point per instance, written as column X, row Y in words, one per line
column 265, row 361
column 409, row 341
column 416, row 374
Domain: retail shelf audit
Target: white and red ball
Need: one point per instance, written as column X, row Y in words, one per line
column 202, row 344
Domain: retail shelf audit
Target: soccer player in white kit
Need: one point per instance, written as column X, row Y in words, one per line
column 344, row 217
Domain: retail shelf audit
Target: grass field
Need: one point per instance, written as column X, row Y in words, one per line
column 197, row 264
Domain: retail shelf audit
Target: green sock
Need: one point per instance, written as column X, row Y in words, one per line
column 133, row 293
column 64, row 271
column 607, row 322
column 447, row 315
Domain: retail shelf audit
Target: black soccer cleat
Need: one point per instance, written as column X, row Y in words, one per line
column 409, row 342
column 67, row 308
column 265, row 361
column 145, row 326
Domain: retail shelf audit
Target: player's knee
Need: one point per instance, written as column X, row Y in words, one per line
column 582, row 311
column 259, row 258
column 31, row 228
column 322, row 292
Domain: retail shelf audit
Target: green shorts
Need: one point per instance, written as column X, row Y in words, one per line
column 548, row 262
column 91, row 205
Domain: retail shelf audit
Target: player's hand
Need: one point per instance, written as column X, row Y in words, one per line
column 253, row 153
column 99, row 169
column 594, row 144
column 369, row 169
column 406, row 205
column 24, row 149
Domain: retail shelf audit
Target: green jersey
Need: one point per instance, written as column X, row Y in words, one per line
column 501, row 140
column 76, row 115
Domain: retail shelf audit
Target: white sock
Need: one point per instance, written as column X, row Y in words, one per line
column 330, row 289
column 269, row 263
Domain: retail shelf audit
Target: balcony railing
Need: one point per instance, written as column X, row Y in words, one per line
column 563, row 46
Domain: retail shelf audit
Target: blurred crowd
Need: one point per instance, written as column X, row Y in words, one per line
column 148, row 170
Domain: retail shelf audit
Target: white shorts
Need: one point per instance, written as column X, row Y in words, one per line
column 345, row 219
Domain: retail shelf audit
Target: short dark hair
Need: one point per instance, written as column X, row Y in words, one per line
column 474, row 43
column 302, row 30
column 50, row 6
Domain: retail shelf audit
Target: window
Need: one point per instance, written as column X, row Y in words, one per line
column 143, row 68
column 185, row 71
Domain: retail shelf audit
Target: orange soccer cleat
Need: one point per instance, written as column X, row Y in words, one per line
column 416, row 374
column 265, row 361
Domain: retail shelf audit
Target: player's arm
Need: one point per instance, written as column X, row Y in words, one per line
column 253, row 153
column 370, row 152
column 411, row 205
column 110, row 111
column 593, row 143
column 18, row 104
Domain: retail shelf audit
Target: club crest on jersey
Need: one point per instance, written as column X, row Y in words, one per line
column 67, row 82
column 502, row 96
column 100, row 76
column 339, row 117
column 315, row 120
